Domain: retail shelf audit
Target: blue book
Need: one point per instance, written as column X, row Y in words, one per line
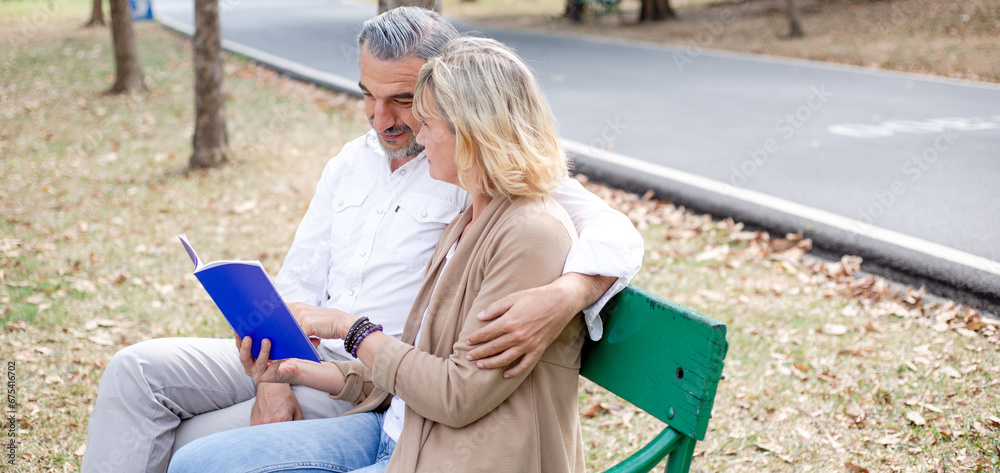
column 247, row 298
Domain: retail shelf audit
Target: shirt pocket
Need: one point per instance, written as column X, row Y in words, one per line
column 346, row 208
column 417, row 227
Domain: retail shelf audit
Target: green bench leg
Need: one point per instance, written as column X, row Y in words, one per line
column 679, row 460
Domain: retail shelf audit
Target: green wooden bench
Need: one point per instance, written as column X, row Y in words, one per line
column 665, row 359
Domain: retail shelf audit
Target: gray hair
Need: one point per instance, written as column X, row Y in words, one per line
column 406, row 32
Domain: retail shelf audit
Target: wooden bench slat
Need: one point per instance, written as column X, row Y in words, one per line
column 665, row 359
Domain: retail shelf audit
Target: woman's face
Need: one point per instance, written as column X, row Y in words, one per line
column 439, row 144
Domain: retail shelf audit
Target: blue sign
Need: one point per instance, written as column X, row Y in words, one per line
column 141, row 9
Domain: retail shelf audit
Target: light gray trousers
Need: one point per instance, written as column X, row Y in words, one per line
column 158, row 395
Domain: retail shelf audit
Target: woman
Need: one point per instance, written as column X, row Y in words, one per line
column 487, row 129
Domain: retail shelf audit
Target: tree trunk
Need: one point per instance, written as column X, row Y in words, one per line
column 574, row 8
column 656, row 10
column 386, row 5
column 211, row 142
column 795, row 23
column 128, row 72
column 96, row 14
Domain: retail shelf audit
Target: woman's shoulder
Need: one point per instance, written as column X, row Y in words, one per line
column 540, row 217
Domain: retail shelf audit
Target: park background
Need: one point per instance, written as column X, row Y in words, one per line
column 829, row 369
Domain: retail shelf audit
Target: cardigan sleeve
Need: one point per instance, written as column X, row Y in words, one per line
column 528, row 252
column 357, row 382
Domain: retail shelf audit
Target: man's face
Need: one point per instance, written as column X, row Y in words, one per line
column 388, row 88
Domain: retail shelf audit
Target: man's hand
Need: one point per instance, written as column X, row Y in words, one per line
column 531, row 320
column 275, row 403
column 320, row 322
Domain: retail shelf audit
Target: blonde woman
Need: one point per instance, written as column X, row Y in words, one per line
column 420, row 404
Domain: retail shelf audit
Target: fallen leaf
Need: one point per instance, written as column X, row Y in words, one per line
column 855, row 468
column 889, row 439
column 93, row 324
column 101, row 340
column 79, row 451
column 244, row 207
column 35, row 299
column 873, row 328
column 916, row 418
column 949, row 371
column 966, row 333
column 854, row 410
column 773, row 447
column 993, row 421
column 84, row 285
column 833, row 329
column 932, row 408
column 717, row 253
column 593, row 410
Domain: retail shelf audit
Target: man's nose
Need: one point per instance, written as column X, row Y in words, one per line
column 383, row 118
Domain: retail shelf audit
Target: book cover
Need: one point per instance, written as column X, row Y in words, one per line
column 251, row 304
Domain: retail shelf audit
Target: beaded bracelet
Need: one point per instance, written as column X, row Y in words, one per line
column 369, row 328
column 353, row 332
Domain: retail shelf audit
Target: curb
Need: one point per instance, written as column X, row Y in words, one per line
column 977, row 289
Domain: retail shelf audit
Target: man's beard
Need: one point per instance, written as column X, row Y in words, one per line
column 409, row 151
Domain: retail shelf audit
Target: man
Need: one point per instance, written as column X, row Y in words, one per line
column 361, row 247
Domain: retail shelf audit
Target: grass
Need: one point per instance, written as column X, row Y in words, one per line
column 952, row 39
column 825, row 369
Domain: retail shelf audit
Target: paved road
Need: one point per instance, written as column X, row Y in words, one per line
column 902, row 169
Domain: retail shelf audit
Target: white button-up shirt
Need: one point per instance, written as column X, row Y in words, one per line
column 365, row 241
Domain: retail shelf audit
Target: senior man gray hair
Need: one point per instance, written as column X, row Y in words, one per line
column 362, row 248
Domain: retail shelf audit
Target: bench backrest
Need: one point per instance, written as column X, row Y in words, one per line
column 662, row 357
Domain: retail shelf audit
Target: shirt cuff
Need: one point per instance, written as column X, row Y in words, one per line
column 597, row 258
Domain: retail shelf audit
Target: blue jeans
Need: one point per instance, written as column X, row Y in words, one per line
column 354, row 443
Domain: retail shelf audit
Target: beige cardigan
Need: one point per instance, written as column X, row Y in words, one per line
column 458, row 417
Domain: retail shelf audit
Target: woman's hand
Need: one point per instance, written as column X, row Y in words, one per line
column 264, row 370
column 325, row 377
column 322, row 322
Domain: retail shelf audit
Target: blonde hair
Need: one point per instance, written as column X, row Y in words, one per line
column 502, row 123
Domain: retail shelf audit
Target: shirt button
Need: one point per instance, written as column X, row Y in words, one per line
column 340, row 203
column 402, row 172
column 351, row 292
column 379, row 211
column 363, row 253
column 423, row 214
